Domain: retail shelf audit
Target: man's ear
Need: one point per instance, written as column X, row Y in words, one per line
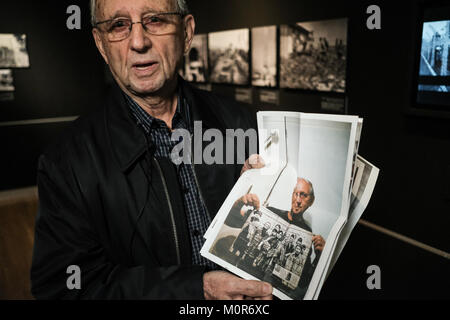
column 189, row 31
column 99, row 43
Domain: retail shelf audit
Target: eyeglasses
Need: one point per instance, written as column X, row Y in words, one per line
column 302, row 195
column 119, row 29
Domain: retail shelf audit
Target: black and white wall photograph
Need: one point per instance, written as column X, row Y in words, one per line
column 229, row 56
column 6, row 80
column 196, row 61
column 13, row 51
column 314, row 55
column 264, row 56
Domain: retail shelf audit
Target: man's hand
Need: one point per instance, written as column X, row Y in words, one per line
column 254, row 162
column 220, row 285
column 249, row 200
column 319, row 243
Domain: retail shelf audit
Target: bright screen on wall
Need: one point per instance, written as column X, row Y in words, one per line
column 432, row 88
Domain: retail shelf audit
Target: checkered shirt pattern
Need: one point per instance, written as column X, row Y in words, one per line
column 197, row 217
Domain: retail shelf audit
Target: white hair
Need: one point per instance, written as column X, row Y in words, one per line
column 181, row 8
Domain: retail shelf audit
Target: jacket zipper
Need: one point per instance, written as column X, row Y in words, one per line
column 172, row 217
column 196, row 180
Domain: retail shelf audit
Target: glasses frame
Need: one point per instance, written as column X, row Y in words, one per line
column 302, row 195
column 137, row 22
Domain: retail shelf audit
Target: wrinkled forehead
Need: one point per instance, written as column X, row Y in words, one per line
column 112, row 8
column 302, row 186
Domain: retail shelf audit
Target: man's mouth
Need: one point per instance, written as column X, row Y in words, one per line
column 145, row 66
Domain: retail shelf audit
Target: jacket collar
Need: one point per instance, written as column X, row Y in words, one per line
column 128, row 139
column 200, row 107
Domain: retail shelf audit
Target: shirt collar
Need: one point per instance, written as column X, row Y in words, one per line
column 147, row 121
column 126, row 137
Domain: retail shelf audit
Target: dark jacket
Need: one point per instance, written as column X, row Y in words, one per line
column 108, row 206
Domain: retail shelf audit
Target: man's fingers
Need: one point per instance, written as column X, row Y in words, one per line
column 253, row 288
column 318, row 240
column 255, row 201
column 251, row 200
column 256, row 161
column 269, row 297
column 319, row 243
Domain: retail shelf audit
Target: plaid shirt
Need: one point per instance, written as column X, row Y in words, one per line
column 197, row 217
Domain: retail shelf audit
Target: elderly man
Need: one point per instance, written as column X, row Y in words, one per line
column 112, row 203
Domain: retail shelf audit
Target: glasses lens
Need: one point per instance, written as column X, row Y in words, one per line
column 160, row 24
column 118, row 29
column 302, row 195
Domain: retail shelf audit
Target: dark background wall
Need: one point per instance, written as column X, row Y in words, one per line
column 65, row 79
column 413, row 194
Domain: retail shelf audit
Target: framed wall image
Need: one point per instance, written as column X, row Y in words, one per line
column 229, row 56
column 13, row 51
column 6, row 81
column 431, row 77
column 313, row 55
column 196, row 61
column 264, row 57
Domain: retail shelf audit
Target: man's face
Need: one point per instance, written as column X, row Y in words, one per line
column 301, row 198
column 144, row 64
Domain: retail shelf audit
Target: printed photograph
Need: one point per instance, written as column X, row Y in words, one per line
column 229, row 56
column 6, row 81
column 13, row 51
column 264, row 56
column 314, row 55
column 263, row 244
column 196, row 61
column 276, row 222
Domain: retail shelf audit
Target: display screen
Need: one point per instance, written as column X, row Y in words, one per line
column 433, row 85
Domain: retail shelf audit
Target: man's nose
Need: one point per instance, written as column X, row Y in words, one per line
column 139, row 39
